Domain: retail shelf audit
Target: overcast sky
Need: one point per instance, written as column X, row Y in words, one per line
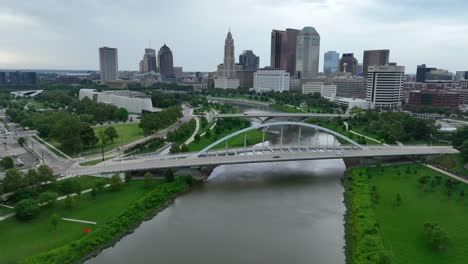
column 58, row 34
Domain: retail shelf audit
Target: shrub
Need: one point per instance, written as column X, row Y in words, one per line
column 48, row 197
column 27, row 209
column 116, row 182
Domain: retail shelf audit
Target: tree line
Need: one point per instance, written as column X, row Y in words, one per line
column 152, row 122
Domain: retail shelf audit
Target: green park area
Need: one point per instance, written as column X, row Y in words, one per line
column 253, row 137
column 451, row 162
column 22, row 238
column 405, row 214
column 127, row 133
column 5, row 210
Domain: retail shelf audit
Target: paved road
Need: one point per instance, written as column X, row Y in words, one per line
column 271, row 115
column 158, row 163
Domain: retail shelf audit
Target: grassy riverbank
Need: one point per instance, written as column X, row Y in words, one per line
column 23, row 239
column 426, row 196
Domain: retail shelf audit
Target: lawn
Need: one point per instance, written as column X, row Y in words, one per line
column 127, row 133
column 5, row 211
column 453, row 162
column 402, row 227
column 22, row 239
column 253, row 137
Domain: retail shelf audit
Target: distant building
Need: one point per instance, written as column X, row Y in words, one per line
column 166, row 64
column 307, row 53
column 421, row 72
column 331, row 62
column 385, row 86
column 349, row 87
column 271, row 80
column 134, row 102
column 108, row 62
column 245, row 78
column 348, row 63
column 226, row 77
column 249, row 61
column 352, row 103
column 283, row 50
column 149, row 62
column 327, row 90
column 3, row 80
column 19, row 80
column 374, row 58
column 433, row 98
column 179, row 72
column 439, row 75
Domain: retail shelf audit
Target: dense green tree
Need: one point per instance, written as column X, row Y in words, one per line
column 46, row 173
column 48, row 197
column 175, row 148
column 116, row 182
column 436, row 236
column 87, row 135
column 148, row 179
column 27, row 209
column 464, row 150
column 7, row 163
column 32, row 177
column 21, row 141
column 184, row 148
column 120, row 114
column 460, row 136
column 13, row 180
column 197, row 138
column 68, row 132
column 111, row 133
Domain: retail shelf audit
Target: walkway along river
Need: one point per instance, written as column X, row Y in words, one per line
column 290, row 212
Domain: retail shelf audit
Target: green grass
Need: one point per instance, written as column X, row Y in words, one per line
column 22, row 239
column 5, row 211
column 127, row 133
column 452, row 162
column 94, row 162
column 253, row 137
column 402, row 227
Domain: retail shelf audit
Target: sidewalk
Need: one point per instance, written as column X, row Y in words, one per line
column 447, row 173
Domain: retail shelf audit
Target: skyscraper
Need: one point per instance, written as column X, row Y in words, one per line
column 331, row 62
column 422, row 71
column 384, row 86
column 249, row 60
column 307, row 53
column 374, row 58
column 108, row 62
column 348, row 63
column 149, row 61
column 226, row 76
column 166, row 64
column 283, row 50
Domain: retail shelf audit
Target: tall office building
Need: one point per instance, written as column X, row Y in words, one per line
column 331, row 62
column 149, row 62
column 108, row 62
column 307, row 53
column 249, row 60
column 166, row 64
column 348, row 63
column 283, row 50
column 3, row 78
column 384, row 86
column 19, row 80
column 226, row 74
column 422, row 71
column 374, row 58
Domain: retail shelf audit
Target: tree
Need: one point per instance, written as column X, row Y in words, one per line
column 111, row 133
column 460, row 136
column 26, row 209
column 398, row 200
column 436, row 236
column 184, row 148
column 46, row 173
column 87, row 135
column 128, row 177
column 21, row 141
column 67, row 131
column 7, row 163
column 120, row 114
column 197, row 137
column 208, row 133
column 174, row 148
column 94, row 193
column 13, row 180
column 148, row 180
column 54, row 219
column 48, row 198
column 116, row 182
column 103, row 137
column 464, row 150
column 32, row 177
column 100, row 186
column 68, row 202
column 169, row 175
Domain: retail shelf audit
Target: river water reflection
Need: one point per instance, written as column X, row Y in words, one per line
column 284, row 212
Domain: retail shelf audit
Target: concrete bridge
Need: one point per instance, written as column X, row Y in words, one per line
column 302, row 151
column 267, row 116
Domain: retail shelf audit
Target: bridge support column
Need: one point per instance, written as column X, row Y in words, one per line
column 281, row 137
column 299, row 137
column 245, row 142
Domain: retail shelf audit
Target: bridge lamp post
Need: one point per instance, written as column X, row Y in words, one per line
column 245, row 143
column 281, row 137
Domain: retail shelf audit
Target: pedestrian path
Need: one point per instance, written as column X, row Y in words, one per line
column 79, row 221
column 6, row 216
column 447, row 173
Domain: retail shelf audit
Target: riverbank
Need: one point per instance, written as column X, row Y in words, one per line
column 114, row 229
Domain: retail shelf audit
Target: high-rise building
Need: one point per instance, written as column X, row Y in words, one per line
column 331, row 62
column 166, row 64
column 384, row 86
column 226, row 74
column 2, row 78
column 307, row 53
column 108, row 62
column 325, row 89
column 422, row 71
column 245, row 78
column 348, row 63
column 374, row 58
column 249, row 60
column 283, row 49
column 20, row 80
column 149, row 62
column 268, row 79
column 349, row 87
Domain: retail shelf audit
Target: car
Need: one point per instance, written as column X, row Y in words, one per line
column 276, row 157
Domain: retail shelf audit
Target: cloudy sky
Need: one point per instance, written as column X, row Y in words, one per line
column 58, row 34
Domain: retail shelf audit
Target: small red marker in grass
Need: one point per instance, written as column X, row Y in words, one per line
column 86, row 230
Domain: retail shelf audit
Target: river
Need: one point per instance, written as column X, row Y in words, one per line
column 284, row 212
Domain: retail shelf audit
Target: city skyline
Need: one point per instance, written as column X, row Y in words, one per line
column 45, row 27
